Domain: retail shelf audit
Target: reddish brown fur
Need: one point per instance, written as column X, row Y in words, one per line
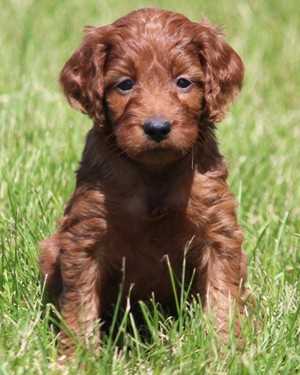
column 138, row 202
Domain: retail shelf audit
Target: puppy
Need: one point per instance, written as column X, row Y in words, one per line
column 151, row 187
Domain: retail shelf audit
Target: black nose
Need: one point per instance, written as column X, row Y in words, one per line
column 157, row 128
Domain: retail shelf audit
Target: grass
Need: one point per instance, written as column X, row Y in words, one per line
column 41, row 142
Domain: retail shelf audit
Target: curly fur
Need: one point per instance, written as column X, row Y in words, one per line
column 138, row 202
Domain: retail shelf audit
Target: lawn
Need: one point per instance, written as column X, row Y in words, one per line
column 41, row 143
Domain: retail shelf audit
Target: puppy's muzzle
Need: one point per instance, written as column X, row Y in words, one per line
column 157, row 128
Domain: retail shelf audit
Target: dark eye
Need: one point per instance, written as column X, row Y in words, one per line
column 125, row 85
column 183, row 83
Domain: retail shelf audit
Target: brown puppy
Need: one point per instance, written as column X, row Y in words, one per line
column 151, row 181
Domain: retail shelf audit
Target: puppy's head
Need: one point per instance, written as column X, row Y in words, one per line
column 152, row 78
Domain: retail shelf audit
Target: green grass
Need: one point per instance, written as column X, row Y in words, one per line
column 41, row 142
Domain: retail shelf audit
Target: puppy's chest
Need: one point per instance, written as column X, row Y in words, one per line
column 154, row 204
column 149, row 229
column 154, row 224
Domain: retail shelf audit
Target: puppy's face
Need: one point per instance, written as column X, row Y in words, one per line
column 152, row 77
column 154, row 94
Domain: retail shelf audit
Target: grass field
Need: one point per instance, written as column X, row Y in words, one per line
column 41, row 143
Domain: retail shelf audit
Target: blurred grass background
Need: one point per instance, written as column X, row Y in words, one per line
column 41, row 143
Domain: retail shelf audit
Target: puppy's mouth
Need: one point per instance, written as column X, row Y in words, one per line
column 159, row 156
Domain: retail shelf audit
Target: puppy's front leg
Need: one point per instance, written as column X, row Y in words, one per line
column 79, row 302
column 221, row 275
column 222, row 291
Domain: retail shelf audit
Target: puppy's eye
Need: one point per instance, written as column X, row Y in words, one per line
column 183, row 83
column 125, row 85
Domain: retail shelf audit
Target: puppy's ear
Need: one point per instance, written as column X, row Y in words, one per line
column 82, row 76
column 223, row 70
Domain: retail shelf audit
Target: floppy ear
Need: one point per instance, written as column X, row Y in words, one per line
column 223, row 70
column 82, row 76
